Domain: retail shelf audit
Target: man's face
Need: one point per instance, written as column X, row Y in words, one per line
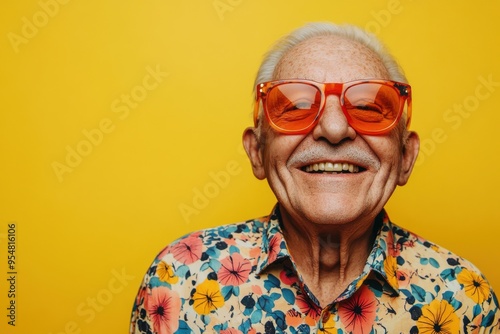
column 286, row 160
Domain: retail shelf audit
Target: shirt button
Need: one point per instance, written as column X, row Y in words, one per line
column 325, row 315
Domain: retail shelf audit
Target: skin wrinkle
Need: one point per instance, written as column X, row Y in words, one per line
column 339, row 256
column 338, row 208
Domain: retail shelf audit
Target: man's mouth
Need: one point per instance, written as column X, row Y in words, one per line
column 332, row 168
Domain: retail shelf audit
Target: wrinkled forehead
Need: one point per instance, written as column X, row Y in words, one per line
column 330, row 59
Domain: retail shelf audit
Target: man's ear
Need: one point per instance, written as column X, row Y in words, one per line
column 411, row 146
column 253, row 149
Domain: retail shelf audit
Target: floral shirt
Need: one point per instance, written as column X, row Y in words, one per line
column 241, row 279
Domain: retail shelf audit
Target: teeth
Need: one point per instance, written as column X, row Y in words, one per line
column 332, row 167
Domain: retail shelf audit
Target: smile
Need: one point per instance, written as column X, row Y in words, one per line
column 334, row 168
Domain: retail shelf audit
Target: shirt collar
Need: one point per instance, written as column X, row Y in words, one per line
column 274, row 249
column 382, row 258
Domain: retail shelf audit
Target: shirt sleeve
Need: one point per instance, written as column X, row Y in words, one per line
column 491, row 315
column 139, row 322
column 157, row 305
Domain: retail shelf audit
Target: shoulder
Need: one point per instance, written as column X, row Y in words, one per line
column 192, row 253
column 193, row 262
column 423, row 253
column 427, row 271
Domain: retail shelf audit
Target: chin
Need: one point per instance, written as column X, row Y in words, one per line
column 335, row 214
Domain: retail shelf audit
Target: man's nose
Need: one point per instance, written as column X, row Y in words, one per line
column 333, row 125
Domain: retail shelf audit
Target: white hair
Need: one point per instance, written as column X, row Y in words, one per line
column 273, row 56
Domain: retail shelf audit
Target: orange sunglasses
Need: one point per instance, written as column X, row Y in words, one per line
column 371, row 107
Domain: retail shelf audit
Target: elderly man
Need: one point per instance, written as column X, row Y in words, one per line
column 331, row 137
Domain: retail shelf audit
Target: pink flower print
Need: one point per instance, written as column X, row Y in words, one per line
column 274, row 247
column 188, row 250
column 358, row 312
column 163, row 307
column 308, row 307
column 234, row 270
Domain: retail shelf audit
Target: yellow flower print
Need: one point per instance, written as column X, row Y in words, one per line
column 475, row 286
column 328, row 326
column 438, row 317
column 360, row 282
column 391, row 269
column 166, row 273
column 207, row 297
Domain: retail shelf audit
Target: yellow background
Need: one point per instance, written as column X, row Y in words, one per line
column 86, row 236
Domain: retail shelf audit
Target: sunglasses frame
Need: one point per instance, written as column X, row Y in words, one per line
column 337, row 89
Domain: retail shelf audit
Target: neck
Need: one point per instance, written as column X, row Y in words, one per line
column 329, row 257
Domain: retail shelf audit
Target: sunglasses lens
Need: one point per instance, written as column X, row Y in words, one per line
column 293, row 106
column 372, row 107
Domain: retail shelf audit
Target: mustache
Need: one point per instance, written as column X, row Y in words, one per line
column 349, row 153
